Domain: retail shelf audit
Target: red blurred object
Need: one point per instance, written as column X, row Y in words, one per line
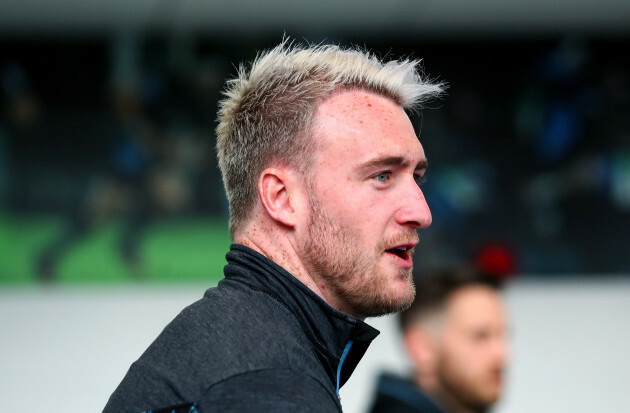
column 497, row 260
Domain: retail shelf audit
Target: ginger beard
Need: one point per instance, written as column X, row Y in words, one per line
column 352, row 272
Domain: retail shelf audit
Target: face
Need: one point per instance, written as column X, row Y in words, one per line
column 365, row 204
column 472, row 349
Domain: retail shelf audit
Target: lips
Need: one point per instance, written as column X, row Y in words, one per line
column 402, row 252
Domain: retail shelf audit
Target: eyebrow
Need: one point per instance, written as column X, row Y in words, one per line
column 394, row 160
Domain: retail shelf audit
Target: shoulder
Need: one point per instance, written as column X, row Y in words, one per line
column 225, row 338
column 235, row 322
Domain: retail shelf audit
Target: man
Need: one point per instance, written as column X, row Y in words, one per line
column 321, row 167
column 455, row 337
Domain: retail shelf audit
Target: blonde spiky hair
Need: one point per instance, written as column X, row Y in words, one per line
column 267, row 111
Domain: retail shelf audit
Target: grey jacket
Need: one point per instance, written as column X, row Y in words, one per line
column 259, row 341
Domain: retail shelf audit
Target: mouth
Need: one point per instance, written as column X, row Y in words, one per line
column 403, row 252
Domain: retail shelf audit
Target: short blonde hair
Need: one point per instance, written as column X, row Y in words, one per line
column 267, row 111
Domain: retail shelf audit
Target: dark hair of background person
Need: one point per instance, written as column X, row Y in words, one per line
column 434, row 288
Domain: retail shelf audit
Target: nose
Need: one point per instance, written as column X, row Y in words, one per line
column 415, row 212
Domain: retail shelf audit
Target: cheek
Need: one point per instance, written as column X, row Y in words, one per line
column 464, row 360
column 360, row 214
column 357, row 207
column 377, row 211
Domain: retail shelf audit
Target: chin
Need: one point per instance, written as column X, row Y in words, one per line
column 491, row 398
column 407, row 292
column 403, row 287
column 388, row 301
column 400, row 296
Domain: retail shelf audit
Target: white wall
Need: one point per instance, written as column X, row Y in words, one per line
column 66, row 349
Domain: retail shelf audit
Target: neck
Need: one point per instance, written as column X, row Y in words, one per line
column 279, row 245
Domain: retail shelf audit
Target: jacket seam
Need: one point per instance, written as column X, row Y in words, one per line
column 335, row 399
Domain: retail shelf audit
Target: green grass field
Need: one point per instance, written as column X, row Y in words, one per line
column 173, row 250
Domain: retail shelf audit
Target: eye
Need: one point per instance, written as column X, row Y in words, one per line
column 420, row 179
column 382, row 176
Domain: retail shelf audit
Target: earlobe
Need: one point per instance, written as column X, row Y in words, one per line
column 274, row 190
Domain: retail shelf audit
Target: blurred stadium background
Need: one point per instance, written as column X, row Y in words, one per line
column 112, row 214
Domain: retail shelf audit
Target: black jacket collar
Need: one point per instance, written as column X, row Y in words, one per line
column 398, row 394
column 328, row 329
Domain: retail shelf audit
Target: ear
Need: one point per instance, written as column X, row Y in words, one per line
column 419, row 344
column 275, row 187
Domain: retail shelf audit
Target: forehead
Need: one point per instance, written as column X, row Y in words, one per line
column 473, row 306
column 352, row 103
column 365, row 124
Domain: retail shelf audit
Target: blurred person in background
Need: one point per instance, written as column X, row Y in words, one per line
column 122, row 190
column 455, row 336
column 321, row 166
column 20, row 125
column 146, row 175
